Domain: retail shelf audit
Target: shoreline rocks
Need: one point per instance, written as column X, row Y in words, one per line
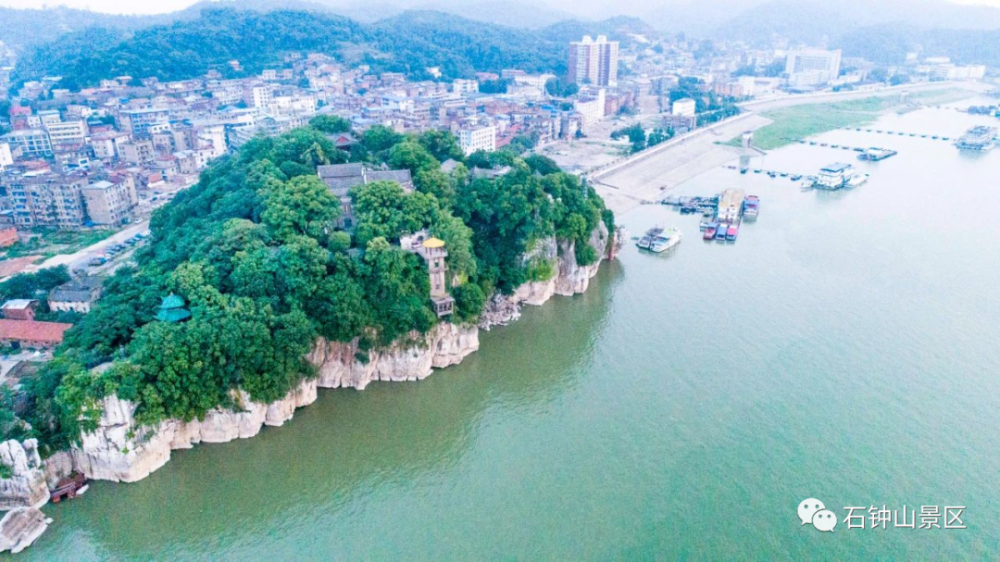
column 21, row 527
column 26, row 486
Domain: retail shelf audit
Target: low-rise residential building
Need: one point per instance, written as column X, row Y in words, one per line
column 67, row 133
column 138, row 151
column 30, row 143
column 46, row 198
column 20, row 309
column 139, row 121
column 76, row 296
column 109, row 204
column 474, row 139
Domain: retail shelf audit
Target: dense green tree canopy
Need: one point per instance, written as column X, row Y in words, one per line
column 255, row 253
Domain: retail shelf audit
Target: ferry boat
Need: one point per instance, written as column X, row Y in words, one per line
column 647, row 240
column 710, row 231
column 732, row 232
column 979, row 137
column 838, row 175
column 665, row 240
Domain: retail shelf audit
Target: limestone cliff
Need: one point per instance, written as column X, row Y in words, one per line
column 570, row 279
column 26, row 485
column 120, row 450
column 574, row 278
column 342, row 365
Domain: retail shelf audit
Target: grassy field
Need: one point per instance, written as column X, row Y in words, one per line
column 48, row 243
column 802, row 121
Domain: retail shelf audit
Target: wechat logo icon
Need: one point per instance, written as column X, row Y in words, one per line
column 813, row 512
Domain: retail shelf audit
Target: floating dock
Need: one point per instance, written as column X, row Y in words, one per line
column 875, row 154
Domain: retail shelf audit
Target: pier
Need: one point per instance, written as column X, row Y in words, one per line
column 899, row 133
column 774, row 174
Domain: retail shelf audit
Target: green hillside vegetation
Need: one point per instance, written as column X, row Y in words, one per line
column 254, row 253
column 410, row 42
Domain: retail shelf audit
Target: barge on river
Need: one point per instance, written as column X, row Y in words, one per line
column 979, row 138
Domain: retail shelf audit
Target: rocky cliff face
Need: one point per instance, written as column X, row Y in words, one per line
column 122, row 451
column 571, row 279
column 26, row 486
column 574, row 278
column 342, row 365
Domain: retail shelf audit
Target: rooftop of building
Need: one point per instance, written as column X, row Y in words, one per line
column 33, row 331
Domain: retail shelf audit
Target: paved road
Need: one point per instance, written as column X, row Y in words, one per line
column 81, row 258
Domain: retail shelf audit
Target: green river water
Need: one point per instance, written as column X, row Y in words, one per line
column 845, row 348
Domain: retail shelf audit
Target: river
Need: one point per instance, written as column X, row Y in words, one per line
column 845, row 348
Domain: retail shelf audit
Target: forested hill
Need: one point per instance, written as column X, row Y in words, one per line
column 409, row 43
column 254, row 253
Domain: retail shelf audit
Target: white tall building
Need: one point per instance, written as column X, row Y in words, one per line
column 6, row 158
column 591, row 107
column 478, row 138
column 685, row 106
column 461, row 86
column 594, row 62
column 812, row 67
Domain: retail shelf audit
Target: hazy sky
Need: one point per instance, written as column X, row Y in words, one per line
column 163, row 6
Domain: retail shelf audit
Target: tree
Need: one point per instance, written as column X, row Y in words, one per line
column 443, row 145
column 301, row 206
column 379, row 138
column 384, row 210
column 330, row 124
column 412, row 156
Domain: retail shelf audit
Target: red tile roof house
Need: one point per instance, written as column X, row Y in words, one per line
column 29, row 333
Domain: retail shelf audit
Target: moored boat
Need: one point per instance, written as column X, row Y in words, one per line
column 665, row 240
column 647, row 240
column 732, row 232
column 856, row 179
column 710, row 231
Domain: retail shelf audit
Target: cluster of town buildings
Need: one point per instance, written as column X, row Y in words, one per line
column 105, row 156
column 94, row 158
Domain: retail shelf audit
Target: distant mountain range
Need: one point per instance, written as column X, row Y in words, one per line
column 409, row 42
column 486, row 35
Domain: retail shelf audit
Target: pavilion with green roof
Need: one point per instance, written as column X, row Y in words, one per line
column 172, row 309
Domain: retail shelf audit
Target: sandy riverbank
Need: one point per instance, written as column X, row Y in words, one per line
column 684, row 158
column 647, row 178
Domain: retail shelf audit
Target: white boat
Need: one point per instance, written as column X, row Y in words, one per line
column 833, row 176
column 665, row 240
column 855, row 179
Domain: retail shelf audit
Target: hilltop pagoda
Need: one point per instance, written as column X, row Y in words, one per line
column 172, row 309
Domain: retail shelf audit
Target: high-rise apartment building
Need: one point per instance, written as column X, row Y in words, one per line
column 594, row 62
column 812, row 67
